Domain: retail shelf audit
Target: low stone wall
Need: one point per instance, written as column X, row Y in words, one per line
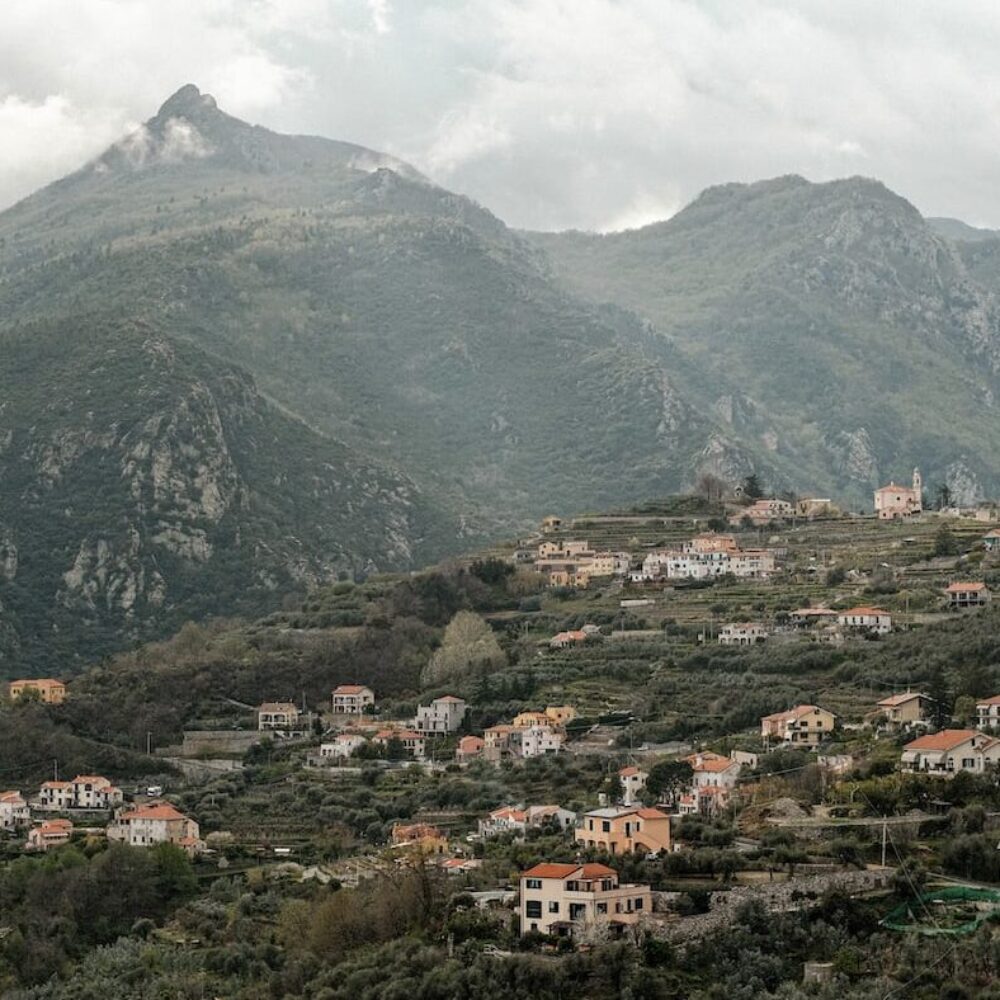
column 204, row 770
column 218, row 742
column 795, row 893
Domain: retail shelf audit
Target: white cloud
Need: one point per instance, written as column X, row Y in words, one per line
column 588, row 113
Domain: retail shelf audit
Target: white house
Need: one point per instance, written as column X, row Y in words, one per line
column 159, row 823
column 14, row 811
column 536, row 741
column 948, row 752
column 712, row 770
column 988, row 712
column 341, row 747
column 633, row 781
column 870, row 619
column 443, row 715
column 742, row 634
column 85, row 791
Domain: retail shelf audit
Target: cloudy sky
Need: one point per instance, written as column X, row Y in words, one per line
column 597, row 114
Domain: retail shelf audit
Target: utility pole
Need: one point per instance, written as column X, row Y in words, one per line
column 885, row 831
column 149, row 742
column 55, row 769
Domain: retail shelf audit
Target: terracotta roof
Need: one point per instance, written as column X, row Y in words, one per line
column 509, row 812
column 93, row 779
column 863, row 611
column 57, row 784
column 278, row 706
column 467, row 743
column 792, row 713
column 9, row 796
column 55, row 826
column 45, row 682
column 628, row 772
column 711, row 765
column 350, row 689
column 995, row 700
column 900, row 699
column 548, row 870
column 944, row 740
column 650, row 813
column 161, row 810
column 965, row 588
column 449, row 698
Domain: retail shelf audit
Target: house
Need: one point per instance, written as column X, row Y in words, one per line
column 620, row 830
column 158, row 823
column 895, row 502
column 804, row 617
column 563, row 639
column 804, row 725
column 277, row 715
column 51, row 833
column 500, row 741
column 742, row 634
column 866, row 619
column 420, row 837
column 343, row 746
column 565, row 549
column 763, row 511
column 525, row 719
column 14, row 811
column 811, row 507
column 565, row 898
column 85, row 791
column 506, row 819
column 469, row 748
column 48, row 690
column 967, row 595
column 988, row 712
column 559, row 715
column 565, row 819
column 903, row 709
column 414, row 744
column 537, row 741
column 551, row 523
column 946, row 753
column 443, row 715
column 705, row 800
column 352, row 699
column 460, row 866
column 991, row 540
column 633, row 781
column 712, row 770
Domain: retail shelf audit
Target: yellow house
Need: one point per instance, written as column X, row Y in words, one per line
column 527, row 719
column 52, row 692
column 562, row 899
column 899, row 709
column 623, row 830
column 559, row 715
column 804, row 725
column 421, row 838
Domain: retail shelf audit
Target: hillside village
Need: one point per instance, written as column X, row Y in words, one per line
column 623, row 712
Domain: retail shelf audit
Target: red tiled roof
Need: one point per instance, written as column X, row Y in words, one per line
column 278, row 706
column 864, row 611
column 549, row 870
column 995, row 700
column 162, row 810
column 628, row 772
column 900, row 699
column 710, row 764
column 449, row 697
column 650, row 813
column 350, row 689
column 965, row 588
column 944, row 740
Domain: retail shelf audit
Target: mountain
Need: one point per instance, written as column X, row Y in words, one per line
column 829, row 326
column 145, row 483
column 955, row 229
column 399, row 329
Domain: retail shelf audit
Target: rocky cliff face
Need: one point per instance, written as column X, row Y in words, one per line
column 144, row 483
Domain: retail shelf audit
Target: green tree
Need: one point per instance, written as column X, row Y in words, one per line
column 937, row 691
column 752, row 489
column 469, row 649
column 945, row 543
column 668, row 777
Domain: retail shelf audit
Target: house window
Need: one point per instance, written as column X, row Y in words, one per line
column 638, row 904
column 553, row 906
column 602, row 907
column 606, row 826
column 533, row 883
column 533, row 908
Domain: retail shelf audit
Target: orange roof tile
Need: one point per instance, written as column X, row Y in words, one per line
column 628, row 772
column 900, row 699
column 944, row 740
column 549, row 870
column 864, row 611
column 709, row 765
column 650, row 813
column 965, row 588
column 161, row 810
column 995, row 700
column 350, row 689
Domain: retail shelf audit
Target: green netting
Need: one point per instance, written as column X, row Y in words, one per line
column 926, row 915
